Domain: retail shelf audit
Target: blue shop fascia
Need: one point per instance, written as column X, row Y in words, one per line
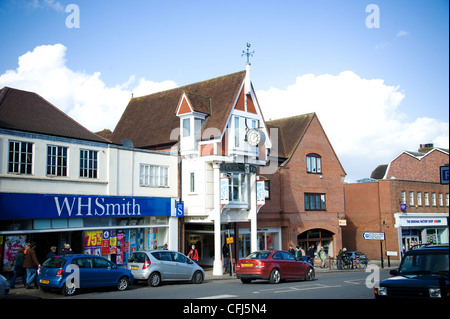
column 112, row 226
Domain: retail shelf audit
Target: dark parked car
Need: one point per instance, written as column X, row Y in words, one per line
column 423, row 273
column 70, row 272
column 273, row 265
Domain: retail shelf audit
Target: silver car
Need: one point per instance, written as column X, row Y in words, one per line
column 156, row 266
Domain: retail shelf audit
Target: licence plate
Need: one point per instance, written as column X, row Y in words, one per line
column 247, row 265
column 42, row 281
column 134, row 267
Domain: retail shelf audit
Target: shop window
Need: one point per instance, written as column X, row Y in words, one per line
column 88, row 163
column 56, row 160
column 315, row 202
column 313, row 163
column 20, row 157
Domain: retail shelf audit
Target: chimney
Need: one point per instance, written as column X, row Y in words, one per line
column 425, row 148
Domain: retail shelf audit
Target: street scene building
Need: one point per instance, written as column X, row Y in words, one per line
column 217, row 131
column 305, row 197
column 62, row 184
column 404, row 200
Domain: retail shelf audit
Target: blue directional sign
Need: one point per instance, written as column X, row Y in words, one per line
column 444, row 174
column 180, row 209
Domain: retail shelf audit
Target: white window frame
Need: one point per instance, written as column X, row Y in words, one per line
column 153, row 175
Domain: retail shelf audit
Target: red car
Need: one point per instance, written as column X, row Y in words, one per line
column 273, row 265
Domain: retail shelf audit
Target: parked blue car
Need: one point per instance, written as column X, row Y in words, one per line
column 71, row 272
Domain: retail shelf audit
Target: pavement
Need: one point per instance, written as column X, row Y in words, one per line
column 22, row 293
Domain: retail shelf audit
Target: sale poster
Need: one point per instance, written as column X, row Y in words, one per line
column 93, row 242
column 113, row 242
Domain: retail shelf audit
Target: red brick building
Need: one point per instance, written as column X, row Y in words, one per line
column 405, row 200
column 305, row 195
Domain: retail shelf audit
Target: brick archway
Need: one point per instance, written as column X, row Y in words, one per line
column 317, row 237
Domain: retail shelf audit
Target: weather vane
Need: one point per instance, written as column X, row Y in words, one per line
column 248, row 53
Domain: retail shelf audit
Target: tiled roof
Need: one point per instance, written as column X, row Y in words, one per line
column 29, row 112
column 148, row 121
column 290, row 132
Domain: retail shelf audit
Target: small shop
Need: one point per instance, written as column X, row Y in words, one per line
column 111, row 226
column 418, row 229
column 268, row 238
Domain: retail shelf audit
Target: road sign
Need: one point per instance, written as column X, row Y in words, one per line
column 444, row 174
column 373, row 236
column 180, row 209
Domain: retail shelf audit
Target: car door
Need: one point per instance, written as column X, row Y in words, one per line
column 279, row 260
column 106, row 276
column 184, row 267
column 86, row 275
column 167, row 265
column 290, row 264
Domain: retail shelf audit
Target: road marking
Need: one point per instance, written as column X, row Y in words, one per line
column 218, row 297
column 296, row 288
column 353, row 281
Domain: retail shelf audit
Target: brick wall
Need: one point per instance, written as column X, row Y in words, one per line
column 409, row 167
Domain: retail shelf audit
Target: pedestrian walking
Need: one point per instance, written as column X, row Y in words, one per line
column 193, row 253
column 323, row 257
column 340, row 257
column 18, row 268
column 31, row 264
column 311, row 254
column 298, row 252
column 225, row 253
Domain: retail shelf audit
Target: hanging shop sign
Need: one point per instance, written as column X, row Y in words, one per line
column 20, row 206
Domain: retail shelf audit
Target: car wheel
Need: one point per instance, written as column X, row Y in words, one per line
column 246, row 280
column 197, row 278
column 275, row 276
column 68, row 290
column 154, row 279
column 310, row 274
column 123, row 283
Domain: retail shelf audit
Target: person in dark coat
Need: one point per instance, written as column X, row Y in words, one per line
column 18, row 268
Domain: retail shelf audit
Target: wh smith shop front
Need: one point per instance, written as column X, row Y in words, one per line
column 112, row 226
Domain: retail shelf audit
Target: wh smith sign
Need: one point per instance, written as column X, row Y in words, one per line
column 21, row 206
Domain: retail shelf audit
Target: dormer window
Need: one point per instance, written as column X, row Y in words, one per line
column 313, row 163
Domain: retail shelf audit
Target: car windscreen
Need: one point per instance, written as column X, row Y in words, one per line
column 258, row 255
column 54, row 262
column 425, row 264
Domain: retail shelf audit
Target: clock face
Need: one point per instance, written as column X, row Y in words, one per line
column 253, row 137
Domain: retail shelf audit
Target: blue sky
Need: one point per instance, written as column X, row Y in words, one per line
column 393, row 79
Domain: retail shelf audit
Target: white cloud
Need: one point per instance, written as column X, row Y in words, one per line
column 360, row 117
column 82, row 96
column 402, row 33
